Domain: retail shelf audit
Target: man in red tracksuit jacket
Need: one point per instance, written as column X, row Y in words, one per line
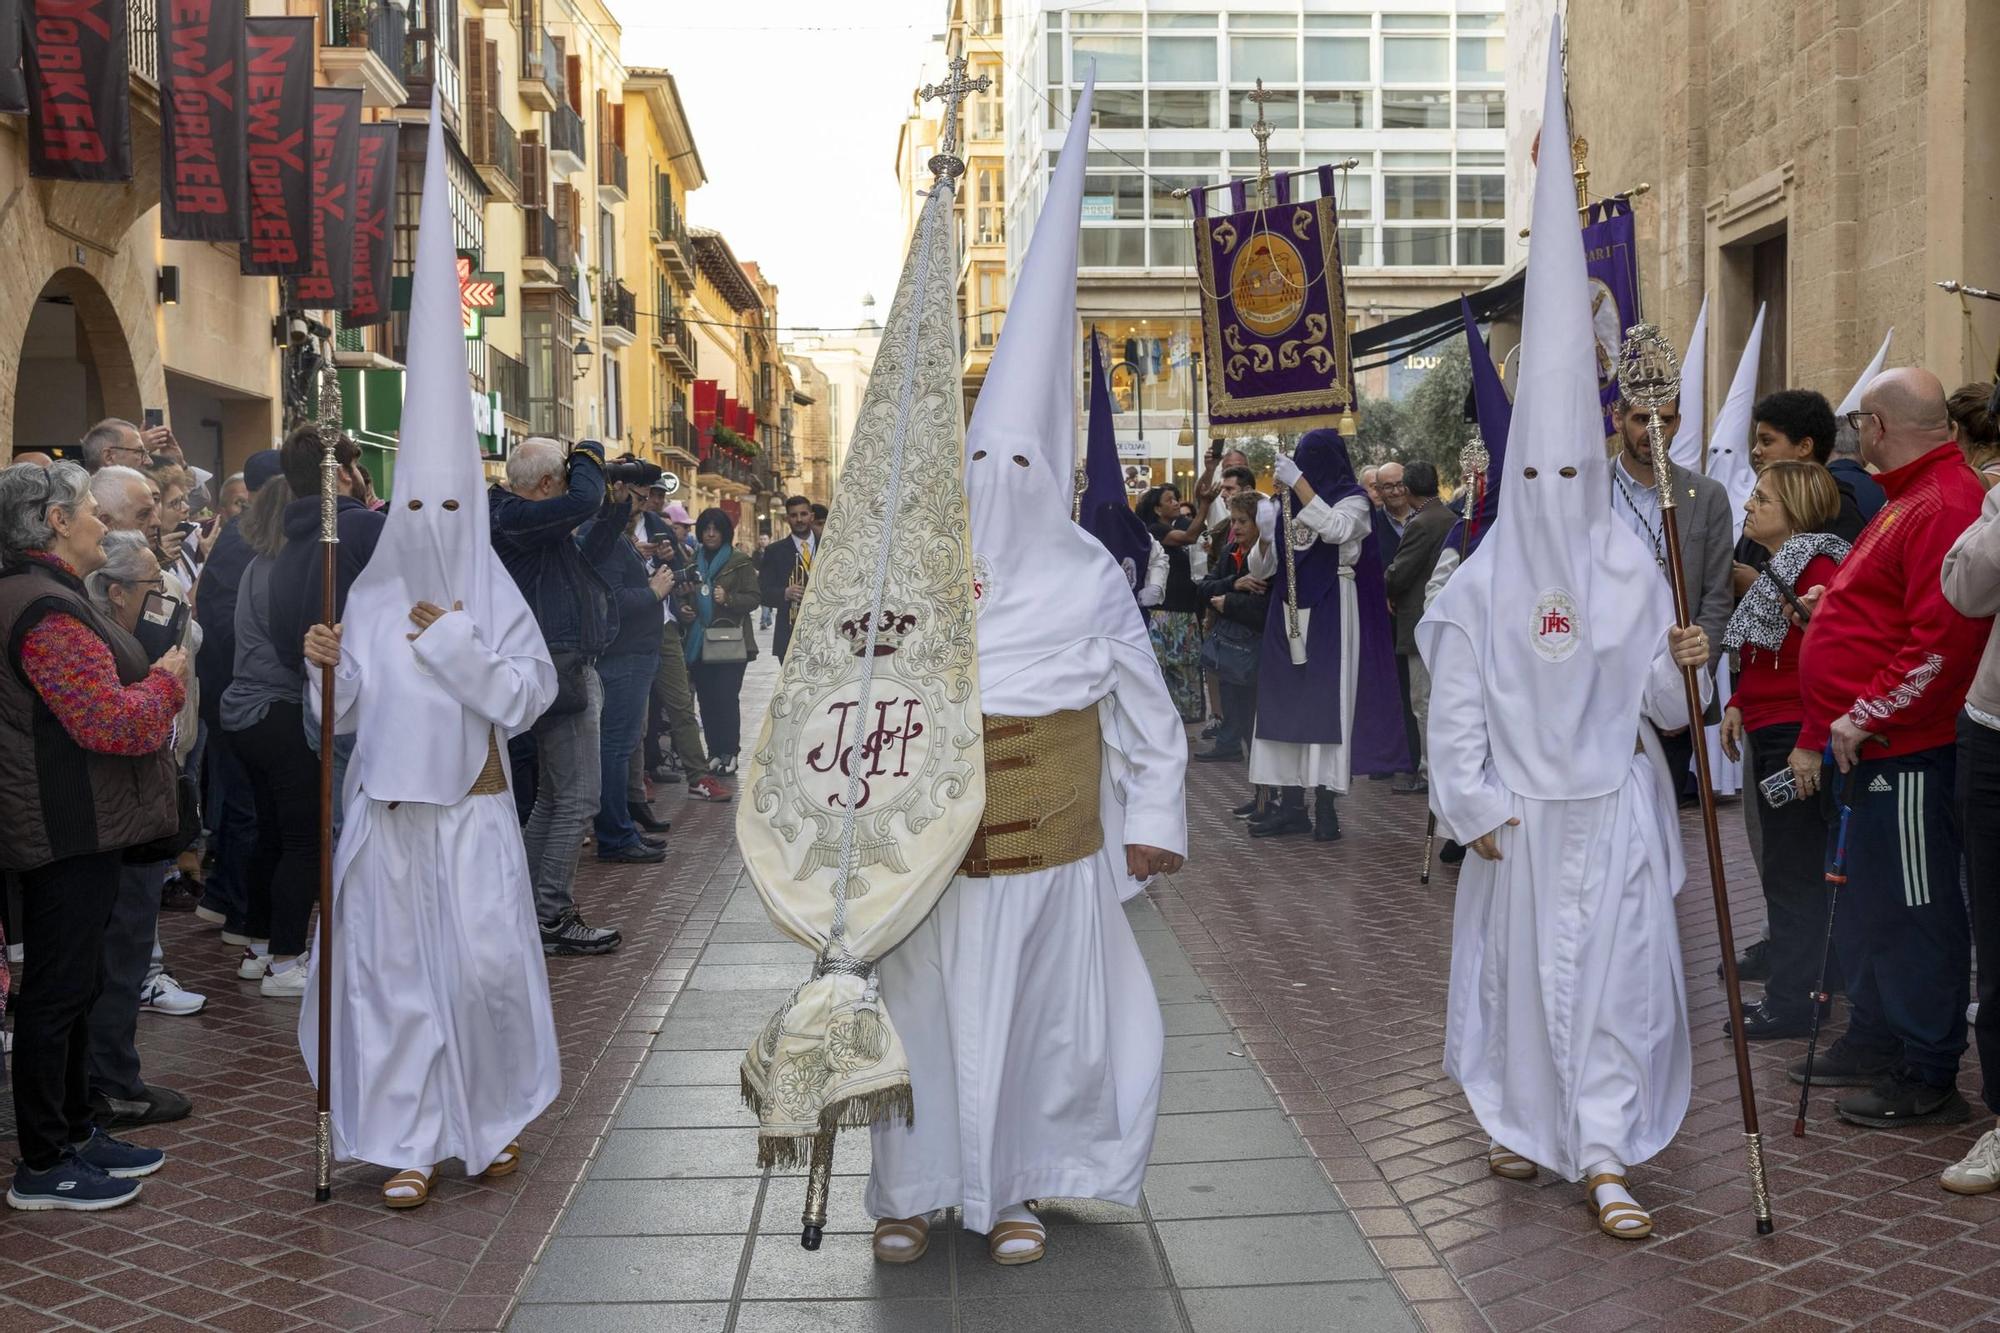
column 1883, row 671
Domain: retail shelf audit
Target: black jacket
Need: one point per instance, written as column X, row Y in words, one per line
column 215, row 612
column 537, row 542
column 1246, row 608
column 1416, row 556
column 296, row 590
column 774, row 575
column 637, row 616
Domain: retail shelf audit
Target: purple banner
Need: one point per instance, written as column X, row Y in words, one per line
column 79, row 91
column 1105, row 510
column 1274, row 315
column 204, row 185
column 1496, row 416
column 1613, row 260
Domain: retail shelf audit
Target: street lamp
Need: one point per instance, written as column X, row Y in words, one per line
column 581, row 354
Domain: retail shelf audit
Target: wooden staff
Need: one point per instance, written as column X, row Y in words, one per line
column 329, row 536
column 1649, row 376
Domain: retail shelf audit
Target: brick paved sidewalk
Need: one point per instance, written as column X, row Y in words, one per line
column 1332, row 963
column 676, row 1231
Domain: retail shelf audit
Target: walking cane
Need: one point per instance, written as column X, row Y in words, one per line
column 1473, row 461
column 1836, row 875
column 329, row 536
column 1649, row 375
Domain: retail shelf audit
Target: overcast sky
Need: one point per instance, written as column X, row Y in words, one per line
column 795, row 106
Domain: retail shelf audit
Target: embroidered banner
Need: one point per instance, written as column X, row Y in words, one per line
column 336, row 127
column 13, row 83
column 1274, row 313
column 374, row 191
column 203, row 181
column 278, row 90
column 79, row 93
column 1613, row 261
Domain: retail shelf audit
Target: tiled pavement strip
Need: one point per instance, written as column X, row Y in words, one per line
column 1329, row 962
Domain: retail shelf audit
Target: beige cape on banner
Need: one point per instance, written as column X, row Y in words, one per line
column 877, row 708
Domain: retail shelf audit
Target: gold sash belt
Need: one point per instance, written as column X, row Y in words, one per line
column 492, row 779
column 1041, row 794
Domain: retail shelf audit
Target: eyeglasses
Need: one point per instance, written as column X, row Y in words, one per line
column 1391, row 486
column 1855, row 419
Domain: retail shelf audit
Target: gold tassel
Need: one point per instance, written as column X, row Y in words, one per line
column 1348, row 426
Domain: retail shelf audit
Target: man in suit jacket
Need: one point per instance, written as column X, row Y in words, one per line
column 782, row 559
column 1424, row 531
column 1707, row 541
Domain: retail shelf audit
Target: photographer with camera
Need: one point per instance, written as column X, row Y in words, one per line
column 550, row 494
column 673, row 692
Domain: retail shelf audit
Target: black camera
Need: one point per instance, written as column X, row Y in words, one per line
column 633, row 473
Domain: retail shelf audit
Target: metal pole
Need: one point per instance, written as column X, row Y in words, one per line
column 329, row 536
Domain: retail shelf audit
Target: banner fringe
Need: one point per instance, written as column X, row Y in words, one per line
column 784, row 1152
column 1236, row 430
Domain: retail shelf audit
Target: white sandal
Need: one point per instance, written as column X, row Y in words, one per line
column 901, row 1240
column 1509, row 1165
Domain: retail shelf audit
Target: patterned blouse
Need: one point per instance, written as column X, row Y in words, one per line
column 74, row 672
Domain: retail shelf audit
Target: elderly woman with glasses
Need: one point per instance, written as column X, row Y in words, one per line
column 86, row 771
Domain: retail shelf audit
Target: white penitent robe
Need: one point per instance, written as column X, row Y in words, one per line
column 1288, row 763
column 1033, row 1031
column 444, row 1043
column 1567, row 1020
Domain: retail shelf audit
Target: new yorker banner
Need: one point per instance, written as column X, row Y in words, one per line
column 374, row 191
column 336, row 133
column 204, row 185
column 1274, row 312
column 278, row 92
column 79, row 96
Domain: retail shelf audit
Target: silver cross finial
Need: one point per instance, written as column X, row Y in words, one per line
column 946, row 163
column 1262, row 131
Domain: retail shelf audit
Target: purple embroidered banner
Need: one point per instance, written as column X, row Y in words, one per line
column 1613, row 261
column 1274, row 313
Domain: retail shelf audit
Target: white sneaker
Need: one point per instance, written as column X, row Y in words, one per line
column 253, row 965
column 243, row 941
column 209, row 915
column 290, row 985
column 163, row 995
column 1979, row 1173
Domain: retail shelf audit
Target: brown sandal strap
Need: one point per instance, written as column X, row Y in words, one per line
column 1015, row 1230
column 1590, row 1185
column 911, row 1228
column 411, row 1178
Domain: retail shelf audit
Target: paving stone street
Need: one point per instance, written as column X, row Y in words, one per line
column 1313, row 1169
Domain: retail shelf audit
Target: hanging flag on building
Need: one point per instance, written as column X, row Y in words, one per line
column 79, row 93
column 1613, row 261
column 203, row 180
column 1274, row 312
column 278, row 92
column 374, row 191
column 336, row 134
column 13, row 83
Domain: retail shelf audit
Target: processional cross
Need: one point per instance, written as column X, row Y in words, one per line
column 1262, row 131
column 946, row 164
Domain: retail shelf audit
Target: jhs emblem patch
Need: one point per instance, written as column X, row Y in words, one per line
column 1556, row 631
column 1131, row 568
column 982, row 583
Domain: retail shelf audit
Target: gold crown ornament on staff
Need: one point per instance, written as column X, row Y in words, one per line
column 1649, row 377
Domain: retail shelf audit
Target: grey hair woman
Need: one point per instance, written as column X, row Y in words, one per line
column 118, row 587
column 86, row 772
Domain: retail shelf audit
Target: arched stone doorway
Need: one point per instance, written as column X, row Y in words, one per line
column 76, row 365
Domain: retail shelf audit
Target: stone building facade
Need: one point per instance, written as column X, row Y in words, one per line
column 1833, row 158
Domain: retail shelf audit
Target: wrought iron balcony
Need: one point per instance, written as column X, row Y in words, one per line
column 620, row 323
column 566, row 141
column 675, row 339
column 613, row 174
column 508, row 377
column 542, row 72
column 495, row 149
column 367, row 47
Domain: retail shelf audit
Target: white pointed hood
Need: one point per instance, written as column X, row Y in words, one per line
column 1694, row 396
column 1044, row 583
column 1729, row 454
column 1563, row 604
column 417, row 742
column 1852, row 403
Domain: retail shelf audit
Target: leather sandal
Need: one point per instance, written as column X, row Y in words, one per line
column 1003, row 1232
column 914, row 1232
column 1639, row 1222
column 1509, row 1165
column 417, row 1181
column 503, row 1165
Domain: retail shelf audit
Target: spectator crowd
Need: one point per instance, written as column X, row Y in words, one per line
column 161, row 757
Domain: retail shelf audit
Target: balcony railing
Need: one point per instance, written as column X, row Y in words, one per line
column 682, row 437
column 509, row 378
column 568, row 276
column 566, row 132
column 546, row 241
column 375, row 24
column 542, row 73
column 613, row 170
column 142, row 48
column 493, row 145
column 670, row 234
column 676, row 339
column 621, row 307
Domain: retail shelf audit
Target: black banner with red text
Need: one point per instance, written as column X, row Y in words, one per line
column 374, row 193
column 204, row 184
column 278, row 91
column 336, row 134
column 79, row 93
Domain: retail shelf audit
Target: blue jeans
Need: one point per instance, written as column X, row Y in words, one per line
column 233, row 812
column 628, row 683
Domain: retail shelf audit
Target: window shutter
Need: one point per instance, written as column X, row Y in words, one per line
column 477, row 96
column 534, row 171
column 618, row 126
column 574, row 67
